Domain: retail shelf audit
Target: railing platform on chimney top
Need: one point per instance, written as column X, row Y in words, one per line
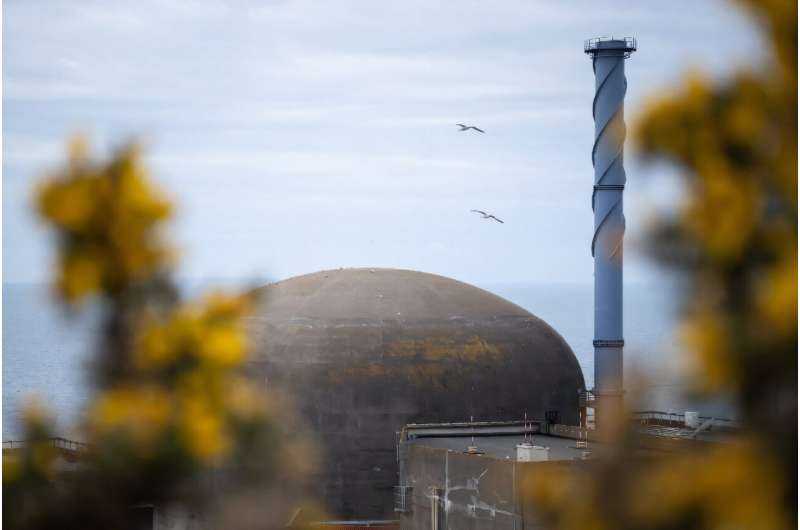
column 590, row 45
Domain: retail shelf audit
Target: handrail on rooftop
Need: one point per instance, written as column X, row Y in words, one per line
column 644, row 416
column 57, row 442
column 498, row 423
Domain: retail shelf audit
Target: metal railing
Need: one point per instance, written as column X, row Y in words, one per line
column 592, row 45
column 568, row 431
column 58, row 443
column 402, row 498
column 477, row 428
column 678, row 419
column 648, row 417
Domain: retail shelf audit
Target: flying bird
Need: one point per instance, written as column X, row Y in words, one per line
column 468, row 127
column 485, row 215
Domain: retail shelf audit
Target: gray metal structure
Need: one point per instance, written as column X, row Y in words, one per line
column 608, row 62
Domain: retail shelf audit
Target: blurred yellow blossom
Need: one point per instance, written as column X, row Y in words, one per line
column 709, row 349
column 81, row 273
column 142, row 413
column 722, row 211
column 12, row 468
column 38, row 462
column 211, row 331
column 739, row 493
column 106, row 216
column 722, row 487
column 777, row 295
column 203, row 430
column 155, row 347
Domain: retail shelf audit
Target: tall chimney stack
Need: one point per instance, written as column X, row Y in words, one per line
column 608, row 62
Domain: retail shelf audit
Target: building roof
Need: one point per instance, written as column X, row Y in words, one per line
column 505, row 447
column 382, row 294
column 499, row 439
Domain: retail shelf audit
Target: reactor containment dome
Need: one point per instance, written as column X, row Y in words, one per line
column 364, row 352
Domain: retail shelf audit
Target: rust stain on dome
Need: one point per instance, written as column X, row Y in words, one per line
column 431, row 349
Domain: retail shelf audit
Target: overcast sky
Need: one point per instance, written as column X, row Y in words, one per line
column 304, row 135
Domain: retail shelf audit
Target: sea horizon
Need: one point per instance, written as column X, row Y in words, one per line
column 46, row 351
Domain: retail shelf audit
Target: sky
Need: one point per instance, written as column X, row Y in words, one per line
column 301, row 135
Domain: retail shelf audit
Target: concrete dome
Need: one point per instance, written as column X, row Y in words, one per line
column 366, row 351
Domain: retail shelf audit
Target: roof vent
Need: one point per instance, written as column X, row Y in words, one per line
column 527, row 452
column 473, row 450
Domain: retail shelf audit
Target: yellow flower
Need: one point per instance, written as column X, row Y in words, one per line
column 745, row 119
column 731, row 486
column 211, row 331
column 141, row 412
column 203, row 431
column 112, row 209
column 81, row 274
column 43, row 459
column 722, row 212
column 226, row 306
column 69, row 204
column 706, row 337
column 12, row 467
column 78, row 150
column 155, row 348
column 223, row 345
column 777, row 297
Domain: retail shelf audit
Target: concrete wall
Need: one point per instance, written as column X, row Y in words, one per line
column 474, row 492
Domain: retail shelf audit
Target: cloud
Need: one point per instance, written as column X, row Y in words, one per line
column 339, row 116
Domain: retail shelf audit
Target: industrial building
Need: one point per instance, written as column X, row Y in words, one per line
column 479, row 475
column 366, row 351
column 473, row 475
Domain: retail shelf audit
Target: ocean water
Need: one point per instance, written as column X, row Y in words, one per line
column 46, row 352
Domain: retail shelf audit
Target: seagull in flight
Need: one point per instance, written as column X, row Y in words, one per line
column 485, row 215
column 468, row 127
